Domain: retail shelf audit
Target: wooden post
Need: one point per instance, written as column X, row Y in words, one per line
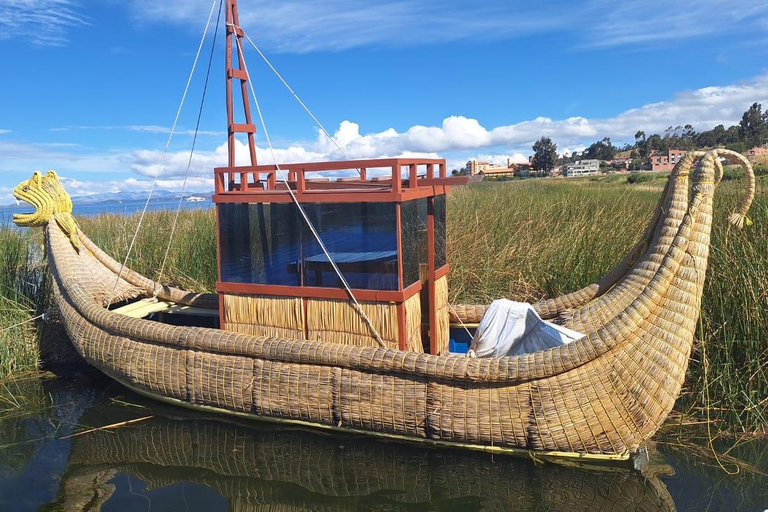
column 431, row 288
column 239, row 73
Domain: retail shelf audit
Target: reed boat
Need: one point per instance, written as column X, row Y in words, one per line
column 332, row 311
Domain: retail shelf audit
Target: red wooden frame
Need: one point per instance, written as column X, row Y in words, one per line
column 239, row 73
column 260, row 183
column 314, row 292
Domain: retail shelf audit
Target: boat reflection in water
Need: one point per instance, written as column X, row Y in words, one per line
column 264, row 468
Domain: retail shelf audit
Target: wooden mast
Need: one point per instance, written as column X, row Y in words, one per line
column 241, row 74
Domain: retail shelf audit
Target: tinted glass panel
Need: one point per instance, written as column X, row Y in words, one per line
column 362, row 240
column 260, row 243
column 414, row 215
column 271, row 244
column 440, row 246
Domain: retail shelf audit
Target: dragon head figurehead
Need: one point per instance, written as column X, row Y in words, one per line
column 50, row 201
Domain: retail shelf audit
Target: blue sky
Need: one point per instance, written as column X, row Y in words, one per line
column 91, row 88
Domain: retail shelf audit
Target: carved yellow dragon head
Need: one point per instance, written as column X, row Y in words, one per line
column 50, row 200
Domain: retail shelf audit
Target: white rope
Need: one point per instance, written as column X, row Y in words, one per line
column 306, row 109
column 189, row 162
column 38, row 317
column 336, row 269
column 460, row 321
column 165, row 153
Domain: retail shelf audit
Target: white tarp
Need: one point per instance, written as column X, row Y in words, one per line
column 511, row 328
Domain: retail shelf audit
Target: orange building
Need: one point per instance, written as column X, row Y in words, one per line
column 662, row 162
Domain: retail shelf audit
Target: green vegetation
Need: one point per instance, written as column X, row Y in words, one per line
column 751, row 131
column 191, row 261
column 544, row 155
column 18, row 300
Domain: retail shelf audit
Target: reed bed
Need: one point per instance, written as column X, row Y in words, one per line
column 21, row 276
column 191, row 262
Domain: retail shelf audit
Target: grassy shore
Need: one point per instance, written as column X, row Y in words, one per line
column 527, row 240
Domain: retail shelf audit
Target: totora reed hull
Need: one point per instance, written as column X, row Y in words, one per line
column 599, row 397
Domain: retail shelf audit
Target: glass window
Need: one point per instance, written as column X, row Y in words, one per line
column 271, row 244
column 260, row 243
column 440, row 234
column 414, row 222
column 362, row 240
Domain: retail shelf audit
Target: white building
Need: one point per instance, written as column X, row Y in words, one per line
column 582, row 168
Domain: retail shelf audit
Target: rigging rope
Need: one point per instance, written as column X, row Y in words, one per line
column 466, row 329
column 191, row 154
column 165, row 153
column 296, row 96
column 44, row 316
column 336, row 269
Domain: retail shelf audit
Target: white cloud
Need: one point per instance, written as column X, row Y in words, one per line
column 41, row 22
column 140, row 128
column 84, row 188
column 323, row 25
column 312, row 25
column 638, row 22
column 318, row 25
column 457, row 139
column 4, row 131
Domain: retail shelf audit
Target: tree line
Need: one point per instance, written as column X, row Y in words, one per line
column 751, row 131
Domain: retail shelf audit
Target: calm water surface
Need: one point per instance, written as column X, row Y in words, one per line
column 172, row 459
column 123, row 208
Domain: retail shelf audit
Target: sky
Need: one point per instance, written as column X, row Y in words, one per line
column 91, row 88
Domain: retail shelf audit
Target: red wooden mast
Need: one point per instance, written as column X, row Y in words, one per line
column 240, row 73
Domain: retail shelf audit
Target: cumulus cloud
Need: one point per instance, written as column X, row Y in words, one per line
column 457, row 138
column 41, row 22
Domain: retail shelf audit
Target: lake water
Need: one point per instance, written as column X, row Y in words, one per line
column 122, row 207
column 169, row 458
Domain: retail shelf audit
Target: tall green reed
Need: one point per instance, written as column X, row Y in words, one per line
column 20, row 277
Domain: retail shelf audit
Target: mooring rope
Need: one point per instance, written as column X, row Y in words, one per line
column 165, row 153
column 191, row 154
column 311, row 226
column 44, row 316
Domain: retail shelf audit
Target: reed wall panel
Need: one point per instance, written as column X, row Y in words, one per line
column 479, row 414
column 158, row 368
column 295, row 391
column 383, row 403
column 337, row 321
column 220, row 381
column 442, row 310
column 279, row 317
column 413, row 324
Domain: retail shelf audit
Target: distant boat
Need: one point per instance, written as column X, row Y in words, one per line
column 195, row 199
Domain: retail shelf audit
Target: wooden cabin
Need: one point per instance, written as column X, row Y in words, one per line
column 385, row 234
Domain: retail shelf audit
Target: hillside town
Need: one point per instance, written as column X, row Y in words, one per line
column 655, row 153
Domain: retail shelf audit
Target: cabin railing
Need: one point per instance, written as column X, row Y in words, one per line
column 394, row 176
